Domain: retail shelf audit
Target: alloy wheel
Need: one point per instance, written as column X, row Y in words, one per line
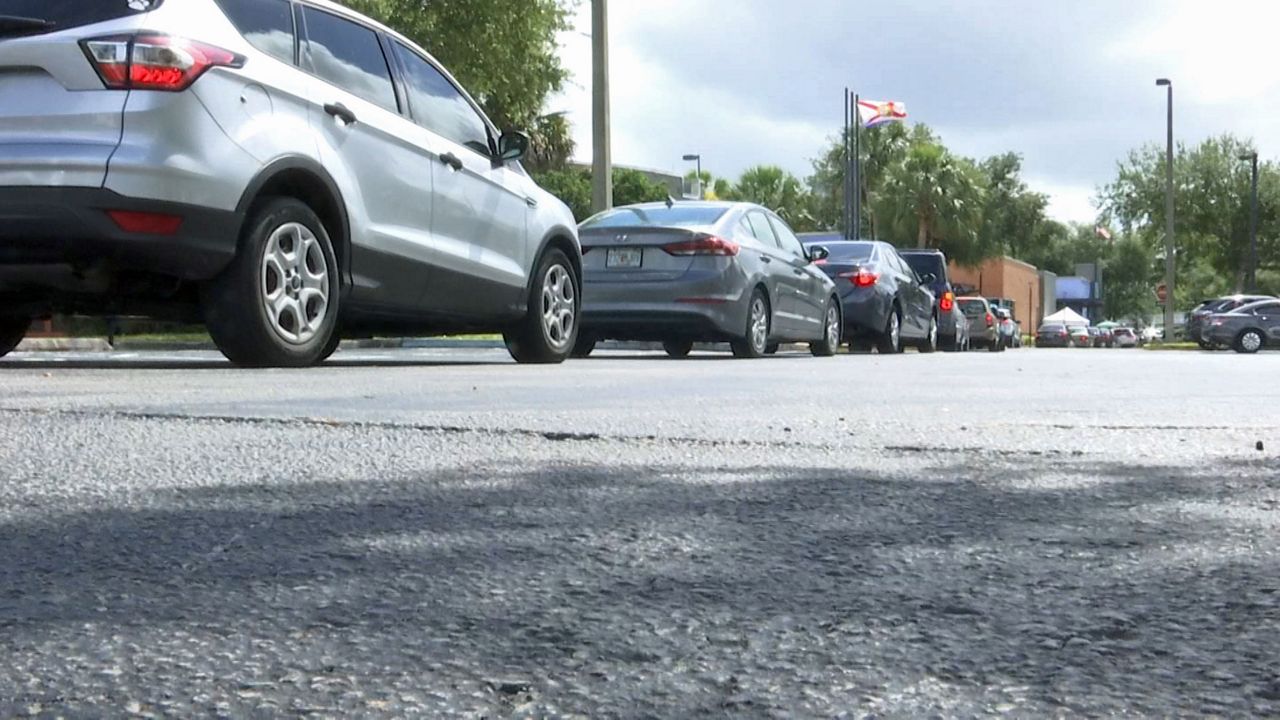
column 833, row 327
column 1251, row 342
column 559, row 306
column 294, row 283
column 759, row 325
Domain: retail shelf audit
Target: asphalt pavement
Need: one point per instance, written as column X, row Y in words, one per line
column 445, row 533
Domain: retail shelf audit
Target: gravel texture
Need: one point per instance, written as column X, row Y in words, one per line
column 413, row 536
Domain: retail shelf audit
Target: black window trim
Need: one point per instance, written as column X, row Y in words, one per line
column 300, row 22
column 490, row 129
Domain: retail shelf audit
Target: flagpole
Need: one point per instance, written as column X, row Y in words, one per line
column 857, row 171
column 845, row 209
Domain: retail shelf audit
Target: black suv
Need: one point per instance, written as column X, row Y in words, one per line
column 951, row 321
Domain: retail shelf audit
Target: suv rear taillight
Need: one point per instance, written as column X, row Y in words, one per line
column 948, row 301
column 152, row 61
column 709, row 245
column 991, row 320
column 861, row 278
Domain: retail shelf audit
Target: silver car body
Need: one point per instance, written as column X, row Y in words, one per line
column 698, row 297
column 433, row 232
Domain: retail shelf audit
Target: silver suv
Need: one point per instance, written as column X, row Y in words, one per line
column 286, row 171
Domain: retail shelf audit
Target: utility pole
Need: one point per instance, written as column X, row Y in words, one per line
column 602, row 153
column 1252, row 157
column 1168, row 211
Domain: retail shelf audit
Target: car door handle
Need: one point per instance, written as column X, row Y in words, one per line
column 531, row 201
column 451, row 160
column 341, row 112
column 766, row 259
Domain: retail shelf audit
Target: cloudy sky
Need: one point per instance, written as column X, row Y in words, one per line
column 1069, row 84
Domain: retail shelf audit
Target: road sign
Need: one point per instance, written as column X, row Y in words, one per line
column 1162, row 293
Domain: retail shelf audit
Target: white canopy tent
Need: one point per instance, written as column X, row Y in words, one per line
column 1066, row 316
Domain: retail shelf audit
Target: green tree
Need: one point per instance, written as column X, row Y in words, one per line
column 632, row 186
column 777, row 190
column 1012, row 215
column 1211, row 200
column 572, row 186
column 506, row 57
column 1127, row 279
column 936, row 198
column 880, row 148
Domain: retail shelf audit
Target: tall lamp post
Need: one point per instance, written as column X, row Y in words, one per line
column 702, row 193
column 602, row 163
column 1168, row 211
column 1252, row 280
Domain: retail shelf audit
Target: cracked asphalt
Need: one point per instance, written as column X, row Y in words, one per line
column 437, row 533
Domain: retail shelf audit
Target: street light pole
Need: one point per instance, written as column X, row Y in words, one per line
column 702, row 192
column 1169, row 228
column 1253, row 225
column 602, row 153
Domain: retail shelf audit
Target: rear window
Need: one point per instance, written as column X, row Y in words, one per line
column 927, row 264
column 972, row 307
column 266, row 24
column 1052, row 329
column 675, row 216
column 63, row 14
column 853, row 252
column 1122, row 332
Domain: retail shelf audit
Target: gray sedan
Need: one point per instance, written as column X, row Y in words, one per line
column 1246, row 329
column 686, row 272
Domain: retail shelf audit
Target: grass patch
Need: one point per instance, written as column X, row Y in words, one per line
column 1171, row 346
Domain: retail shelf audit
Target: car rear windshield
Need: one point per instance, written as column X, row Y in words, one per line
column 1055, row 329
column 848, row 252
column 29, row 17
column 676, row 216
column 1122, row 332
column 972, row 307
column 926, row 264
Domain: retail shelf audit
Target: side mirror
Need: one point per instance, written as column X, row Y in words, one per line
column 512, row 146
column 818, row 252
column 928, row 279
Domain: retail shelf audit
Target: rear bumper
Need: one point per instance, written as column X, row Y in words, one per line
column 708, row 306
column 865, row 312
column 69, row 226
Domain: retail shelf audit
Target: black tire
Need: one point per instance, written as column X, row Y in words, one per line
column 1250, row 341
column 678, row 348
column 833, row 329
column 334, row 341
column 583, row 347
column 234, row 302
column 753, row 344
column 890, row 341
column 531, row 341
column 772, row 349
column 12, row 330
column 930, row 342
column 860, row 345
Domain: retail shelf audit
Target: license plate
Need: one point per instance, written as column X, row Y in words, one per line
column 623, row 258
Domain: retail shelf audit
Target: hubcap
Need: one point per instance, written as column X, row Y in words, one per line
column 559, row 309
column 933, row 333
column 1251, row 342
column 295, row 283
column 759, row 325
column 895, row 330
column 833, row 327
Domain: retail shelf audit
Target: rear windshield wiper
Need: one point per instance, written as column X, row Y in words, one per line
column 12, row 25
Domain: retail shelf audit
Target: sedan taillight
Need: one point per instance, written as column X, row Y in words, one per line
column 152, row 61
column 709, row 245
column 862, row 277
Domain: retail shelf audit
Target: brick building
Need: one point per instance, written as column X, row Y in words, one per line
column 1009, row 279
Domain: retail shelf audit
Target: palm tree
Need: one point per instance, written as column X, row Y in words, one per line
column 934, row 195
column 777, row 190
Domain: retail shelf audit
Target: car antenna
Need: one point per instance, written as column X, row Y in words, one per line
column 670, row 201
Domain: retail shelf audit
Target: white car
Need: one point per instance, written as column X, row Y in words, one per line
column 1125, row 337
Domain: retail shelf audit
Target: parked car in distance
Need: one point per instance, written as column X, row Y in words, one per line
column 1150, row 335
column 1246, row 329
column 1053, row 335
column 953, row 326
column 1125, row 337
column 1080, row 336
column 686, row 272
column 1100, row 337
column 982, row 322
column 885, row 304
column 282, row 172
column 1197, row 327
